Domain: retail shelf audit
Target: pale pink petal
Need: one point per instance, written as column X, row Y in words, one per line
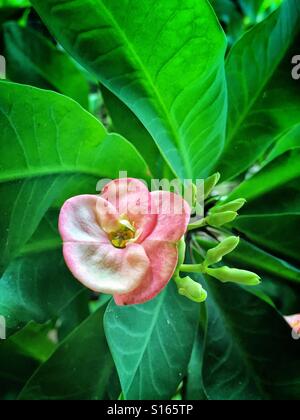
column 131, row 198
column 294, row 322
column 106, row 269
column 107, row 215
column 78, row 221
column 163, row 259
column 173, row 216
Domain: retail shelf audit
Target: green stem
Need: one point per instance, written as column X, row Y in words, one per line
column 192, row 268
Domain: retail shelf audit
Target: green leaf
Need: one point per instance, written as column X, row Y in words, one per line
column 271, row 216
column 24, row 203
column 79, row 369
column 43, row 64
column 251, row 8
column 73, row 314
column 15, row 369
column 127, row 124
column 274, row 232
column 152, row 344
column 14, row 3
column 48, row 144
column 194, row 383
column 288, row 141
column 259, row 77
column 279, row 172
column 50, row 134
column 140, row 52
column 249, row 352
column 36, row 288
column 35, row 341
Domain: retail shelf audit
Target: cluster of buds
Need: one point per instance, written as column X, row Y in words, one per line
column 218, row 216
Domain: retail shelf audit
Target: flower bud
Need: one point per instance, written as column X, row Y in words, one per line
column 233, row 275
column 220, row 219
column 216, row 254
column 235, row 205
column 191, row 195
column 191, row 289
column 210, row 183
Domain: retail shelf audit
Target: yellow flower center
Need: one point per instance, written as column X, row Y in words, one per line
column 125, row 234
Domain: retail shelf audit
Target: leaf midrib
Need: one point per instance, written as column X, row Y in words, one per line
column 59, row 171
column 238, row 344
column 148, row 338
column 152, row 85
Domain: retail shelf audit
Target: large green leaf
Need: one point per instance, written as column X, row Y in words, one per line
column 271, row 216
column 142, row 51
column 152, row 343
column 15, row 369
column 274, row 232
column 49, row 142
column 43, row 64
column 36, row 288
column 128, row 125
column 24, row 203
column 44, row 133
column 280, row 171
column 259, row 77
column 194, row 384
column 249, row 352
column 264, row 190
column 288, row 141
column 79, row 369
column 36, row 340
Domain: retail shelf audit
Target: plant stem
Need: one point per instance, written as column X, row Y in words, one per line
column 191, row 268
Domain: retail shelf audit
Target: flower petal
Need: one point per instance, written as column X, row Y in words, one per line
column 294, row 322
column 173, row 216
column 107, row 215
column 163, row 258
column 105, row 269
column 78, row 221
column 131, row 198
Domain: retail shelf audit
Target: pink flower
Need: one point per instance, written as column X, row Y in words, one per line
column 124, row 241
column 294, row 322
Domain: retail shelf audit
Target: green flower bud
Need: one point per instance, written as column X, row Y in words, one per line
column 210, row 183
column 191, row 194
column 233, row 275
column 197, row 225
column 191, row 289
column 216, row 254
column 220, row 219
column 235, row 205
